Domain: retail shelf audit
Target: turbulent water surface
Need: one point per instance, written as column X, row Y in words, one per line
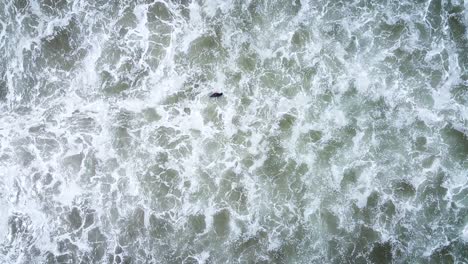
column 341, row 136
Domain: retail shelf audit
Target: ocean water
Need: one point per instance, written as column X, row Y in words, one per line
column 341, row 137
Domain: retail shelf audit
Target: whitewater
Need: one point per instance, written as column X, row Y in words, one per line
column 341, row 135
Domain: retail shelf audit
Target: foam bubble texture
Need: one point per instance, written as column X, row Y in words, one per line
column 341, row 135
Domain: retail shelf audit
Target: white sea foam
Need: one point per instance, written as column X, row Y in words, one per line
column 341, row 127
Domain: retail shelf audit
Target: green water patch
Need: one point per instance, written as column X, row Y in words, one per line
column 432, row 194
column 390, row 32
column 274, row 157
column 62, row 49
column 248, row 62
column 403, row 189
column 455, row 23
column 458, row 33
column 349, row 179
column 174, row 143
column 159, row 18
column 332, row 222
column 435, row 15
column 206, row 50
column 300, row 39
column 381, row 253
column 197, row 223
column 212, row 114
column 261, row 11
column 151, row 115
column 159, row 228
column 309, row 140
column 53, row 7
column 420, row 143
column 358, row 251
column 408, row 62
column 287, row 122
column 336, row 31
column 457, row 143
column 247, row 249
column 98, row 243
column 221, row 223
column 162, row 184
column 460, row 92
column 127, row 20
column 159, row 11
column 116, row 71
column 328, row 149
column 122, row 132
column 232, row 192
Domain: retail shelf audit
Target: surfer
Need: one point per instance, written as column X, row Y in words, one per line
column 216, row 94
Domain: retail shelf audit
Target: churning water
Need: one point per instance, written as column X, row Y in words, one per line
column 341, row 136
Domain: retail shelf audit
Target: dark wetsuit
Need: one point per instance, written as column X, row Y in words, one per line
column 216, row 94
